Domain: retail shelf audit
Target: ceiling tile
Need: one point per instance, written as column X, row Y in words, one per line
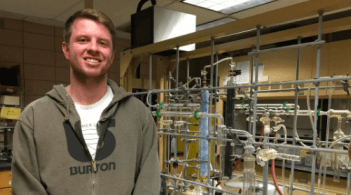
column 37, row 8
column 202, row 15
column 45, row 21
column 6, row 14
column 63, row 16
column 265, row 8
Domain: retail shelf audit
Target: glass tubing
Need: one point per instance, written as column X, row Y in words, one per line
column 253, row 92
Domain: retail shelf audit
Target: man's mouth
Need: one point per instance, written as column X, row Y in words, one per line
column 92, row 60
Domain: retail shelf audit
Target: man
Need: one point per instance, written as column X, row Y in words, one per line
column 91, row 137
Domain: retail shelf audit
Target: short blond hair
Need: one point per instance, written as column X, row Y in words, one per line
column 93, row 15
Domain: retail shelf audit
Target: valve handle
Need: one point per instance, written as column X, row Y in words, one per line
column 160, row 105
column 158, row 114
column 195, row 115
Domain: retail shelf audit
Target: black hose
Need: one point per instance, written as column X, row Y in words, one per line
column 141, row 3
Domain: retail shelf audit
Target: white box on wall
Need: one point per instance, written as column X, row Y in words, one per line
column 10, row 100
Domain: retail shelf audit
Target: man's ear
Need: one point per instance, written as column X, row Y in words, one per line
column 65, row 50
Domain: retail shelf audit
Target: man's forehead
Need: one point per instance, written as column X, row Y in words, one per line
column 79, row 30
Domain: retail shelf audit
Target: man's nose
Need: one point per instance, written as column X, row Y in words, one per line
column 93, row 47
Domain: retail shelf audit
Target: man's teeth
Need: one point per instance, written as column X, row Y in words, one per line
column 92, row 60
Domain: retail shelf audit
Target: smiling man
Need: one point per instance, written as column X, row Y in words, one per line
column 91, row 137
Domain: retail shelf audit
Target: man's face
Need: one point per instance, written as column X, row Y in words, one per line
column 90, row 49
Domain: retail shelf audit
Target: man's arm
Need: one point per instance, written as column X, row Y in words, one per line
column 148, row 181
column 25, row 169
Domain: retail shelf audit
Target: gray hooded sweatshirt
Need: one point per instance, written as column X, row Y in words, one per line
column 50, row 156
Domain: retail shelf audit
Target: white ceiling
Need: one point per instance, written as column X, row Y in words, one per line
column 56, row 12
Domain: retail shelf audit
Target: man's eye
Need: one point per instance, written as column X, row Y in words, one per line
column 82, row 40
column 103, row 43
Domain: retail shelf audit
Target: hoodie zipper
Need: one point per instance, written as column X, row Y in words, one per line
column 93, row 176
column 94, row 163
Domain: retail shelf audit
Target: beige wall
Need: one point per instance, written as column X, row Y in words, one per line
column 281, row 66
column 37, row 49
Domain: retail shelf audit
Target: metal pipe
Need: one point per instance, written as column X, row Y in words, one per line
column 348, row 179
column 218, row 62
column 290, row 139
column 186, row 147
column 215, row 121
column 285, row 90
column 315, row 43
column 180, row 105
column 197, row 136
column 271, row 105
column 199, row 184
column 168, row 137
column 257, row 143
column 302, row 148
column 295, row 113
column 265, row 168
column 251, row 89
column 256, row 85
column 210, row 131
column 175, row 157
column 177, row 70
column 316, row 100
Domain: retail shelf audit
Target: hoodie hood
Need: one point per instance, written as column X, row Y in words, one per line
column 65, row 103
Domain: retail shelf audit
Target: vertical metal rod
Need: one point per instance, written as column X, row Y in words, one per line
column 295, row 114
column 210, row 130
column 187, row 129
column 150, row 78
column 177, row 70
column 251, row 92
column 168, row 136
column 215, row 121
column 187, row 71
column 255, row 87
column 316, row 101
column 265, row 168
column 186, row 148
column 175, row 157
column 176, row 138
column 348, row 181
column 211, row 85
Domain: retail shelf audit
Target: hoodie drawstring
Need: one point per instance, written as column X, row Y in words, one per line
column 67, row 110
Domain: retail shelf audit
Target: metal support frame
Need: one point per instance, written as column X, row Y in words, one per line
column 210, row 130
column 254, row 111
column 295, row 113
column 316, row 98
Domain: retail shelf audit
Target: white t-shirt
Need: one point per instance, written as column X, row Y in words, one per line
column 89, row 116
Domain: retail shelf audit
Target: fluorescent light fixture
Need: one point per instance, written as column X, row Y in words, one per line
column 207, row 4
column 227, row 6
column 218, row 7
column 194, row 2
column 233, row 3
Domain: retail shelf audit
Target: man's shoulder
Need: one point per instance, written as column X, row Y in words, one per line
column 136, row 105
column 38, row 102
column 28, row 112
